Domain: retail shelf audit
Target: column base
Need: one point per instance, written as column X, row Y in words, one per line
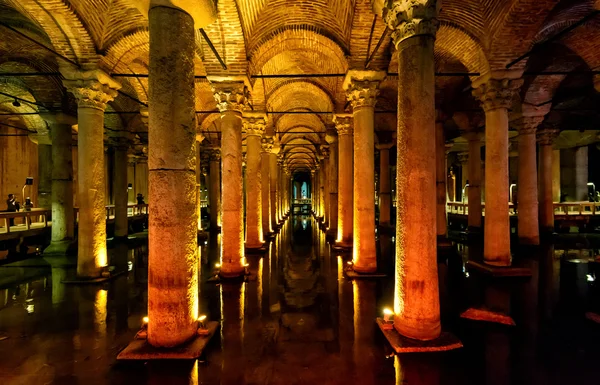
column 401, row 344
column 487, row 316
column 256, row 249
column 67, row 247
column 342, row 247
column 140, row 349
column 353, row 274
column 500, row 271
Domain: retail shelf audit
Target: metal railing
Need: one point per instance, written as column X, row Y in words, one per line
column 306, row 201
column 560, row 209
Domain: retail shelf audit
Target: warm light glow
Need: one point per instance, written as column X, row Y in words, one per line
column 388, row 311
column 202, row 318
column 145, row 320
column 350, row 263
column 218, row 265
column 100, row 311
column 101, row 258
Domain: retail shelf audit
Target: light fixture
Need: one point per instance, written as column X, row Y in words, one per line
column 202, row 330
column 387, row 314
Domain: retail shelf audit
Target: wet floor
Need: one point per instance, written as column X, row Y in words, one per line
column 298, row 321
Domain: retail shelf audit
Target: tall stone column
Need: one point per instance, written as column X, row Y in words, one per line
column 416, row 300
column 528, row 228
column 343, row 126
column 274, row 182
column 93, row 89
column 463, row 160
column 324, row 184
column 120, row 145
column 254, row 127
column 362, row 88
column 332, row 183
column 385, row 198
column 545, row 138
column 474, row 190
column 63, row 222
column 280, row 178
column 313, row 195
column 556, row 175
column 214, row 187
column 581, row 173
column 231, row 99
column 440, row 178
column 199, row 174
column 266, row 148
column 496, row 96
column 318, row 188
column 44, row 172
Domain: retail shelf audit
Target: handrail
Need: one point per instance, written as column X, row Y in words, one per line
column 563, row 208
column 28, row 215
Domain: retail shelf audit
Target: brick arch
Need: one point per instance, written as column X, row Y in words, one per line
column 562, row 16
column 295, row 94
column 17, row 88
column 456, row 44
column 128, row 48
column 47, row 89
column 62, row 25
column 290, row 121
column 287, row 137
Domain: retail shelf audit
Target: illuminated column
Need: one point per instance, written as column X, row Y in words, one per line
column 463, row 159
column 93, row 89
column 332, row 183
column 496, row 97
column 44, row 171
column 362, row 88
column 280, row 178
column 313, row 192
column 385, row 199
column 324, row 184
column 546, row 207
column 120, row 186
column 317, row 188
column 231, row 98
column 416, row 300
column 274, row 185
column 440, row 177
column 214, row 188
column 556, row 174
column 266, row 148
column 172, row 224
column 474, row 190
column 528, row 228
column 63, row 222
column 343, row 125
column 581, row 173
column 254, row 127
column 199, row 174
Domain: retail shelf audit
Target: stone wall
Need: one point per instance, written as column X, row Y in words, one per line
column 18, row 160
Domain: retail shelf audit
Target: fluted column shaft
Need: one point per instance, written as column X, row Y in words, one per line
column 545, row 180
column 254, row 126
column 214, row 188
column 266, row 147
column 343, row 125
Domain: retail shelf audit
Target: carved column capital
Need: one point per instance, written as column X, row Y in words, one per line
column 408, row 18
column 527, row 125
column 343, row 124
column 230, row 95
column 325, row 151
column 545, row 137
column 266, row 144
column 214, row 155
column 497, row 93
column 254, row 124
column 384, row 146
column 362, row 87
column 91, row 88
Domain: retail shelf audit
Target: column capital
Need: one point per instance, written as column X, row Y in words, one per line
column 120, row 141
column 325, row 151
column 546, row 136
column 58, row 118
column 331, row 136
column 362, row 87
column 408, row 18
column 92, row 88
column 280, row 159
column 527, row 125
column 266, row 144
column 214, row 154
column 496, row 90
column 230, row 95
column 41, row 138
column 343, row 124
column 254, row 123
column 384, row 146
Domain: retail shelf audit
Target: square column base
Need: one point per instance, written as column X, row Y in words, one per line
column 142, row 350
column 487, row 316
column 500, row 271
column 446, row 341
column 351, row 274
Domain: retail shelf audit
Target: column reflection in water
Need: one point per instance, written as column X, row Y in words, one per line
column 365, row 311
column 549, row 280
column 417, row 369
column 232, row 333
column 346, row 313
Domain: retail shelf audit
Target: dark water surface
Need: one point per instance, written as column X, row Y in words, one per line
column 298, row 321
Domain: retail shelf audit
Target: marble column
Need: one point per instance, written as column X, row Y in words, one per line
column 120, row 146
column 545, row 139
column 385, row 199
column 231, row 99
column 581, row 173
column 527, row 208
column 173, row 222
column 332, row 183
column 416, row 300
column 274, row 182
column 313, row 195
column 214, row 188
column 266, row 148
column 45, row 168
column 496, row 96
column 362, row 88
column 92, row 89
column 343, row 126
column 63, row 222
column 199, row 174
column 440, row 178
column 474, row 190
column 254, row 127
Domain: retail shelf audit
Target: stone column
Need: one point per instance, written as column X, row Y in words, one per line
column 440, row 178
column 362, row 88
column 385, row 199
column 266, row 148
column 546, row 206
column 120, row 186
column 313, row 196
column 496, row 96
column 173, row 223
column 416, row 300
column 343, row 126
column 274, row 182
column 332, row 183
column 556, row 175
column 254, row 127
column 93, row 89
column 527, row 207
column 199, row 174
column 231, row 99
column 280, row 188
column 581, row 173
column 474, row 190
column 214, row 193
column 324, row 184
column 45, row 168
column 463, row 159
column 63, row 222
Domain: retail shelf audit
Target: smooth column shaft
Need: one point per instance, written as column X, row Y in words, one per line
column 265, row 194
column 45, row 176
column 527, row 190
column 546, row 205
column 254, row 231
column 215, row 192
column 62, row 184
column 345, row 190
column 474, row 189
column 440, row 179
column 273, row 173
column 120, row 191
column 385, row 199
column 333, row 188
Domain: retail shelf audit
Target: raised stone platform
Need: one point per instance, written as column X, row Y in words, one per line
column 499, row 271
column 487, row 316
column 351, row 274
column 142, row 350
column 401, row 344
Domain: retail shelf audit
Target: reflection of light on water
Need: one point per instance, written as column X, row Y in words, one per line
column 260, row 283
column 304, row 224
column 590, row 278
column 129, row 265
column 100, row 310
column 398, row 371
column 30, row 308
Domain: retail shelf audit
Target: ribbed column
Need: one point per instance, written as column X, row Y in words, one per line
column 545, row 139
column 362, row 88
column 214, row 188
column 385, row 198
column 416, row 300
column 440, row 178
column 93, row 90
column 274, row 182
column 172, row 224
column 332, row 183
column 266, row 148
column 120, row 146
column 343, row 125
column 231, row 98
column 496, row 96
column 254, row 127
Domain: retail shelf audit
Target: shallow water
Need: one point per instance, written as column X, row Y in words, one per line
column 298, row 321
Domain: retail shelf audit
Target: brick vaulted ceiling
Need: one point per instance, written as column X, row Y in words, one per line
column 255, row 37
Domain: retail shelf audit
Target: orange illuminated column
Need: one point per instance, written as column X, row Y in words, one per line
column 231, row 97
column 529, row 231
column 199, row 174
column 495, row 91
column 332, row 182
column 274, row 181
column 416, row 301
column 324, row 184
column 440, row 178
column 313, row 195
column 214, row 187
column 172, row 225
column 545, row 138
column 385, row 199
column 362, row 88
column 254, row 127
column 266, row 148
column 120, row 145
column 93, row 89
column 280, row 177
column 343, row 125
column 318, row 188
